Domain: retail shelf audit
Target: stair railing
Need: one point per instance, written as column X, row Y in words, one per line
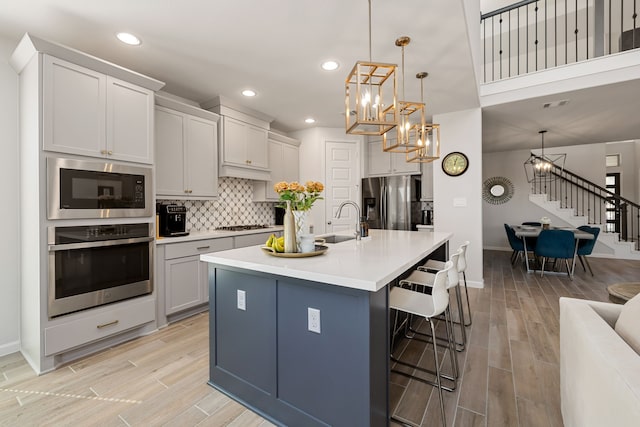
column 533, row 35
column 600, row 206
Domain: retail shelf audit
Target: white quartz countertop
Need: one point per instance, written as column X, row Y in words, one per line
column 214, row 234
column 368, row 264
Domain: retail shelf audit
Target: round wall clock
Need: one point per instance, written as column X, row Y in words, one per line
column 455, row 163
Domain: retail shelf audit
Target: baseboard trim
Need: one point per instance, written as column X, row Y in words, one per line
column 9, row 348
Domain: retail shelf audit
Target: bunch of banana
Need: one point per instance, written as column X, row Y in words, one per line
column 277, row 243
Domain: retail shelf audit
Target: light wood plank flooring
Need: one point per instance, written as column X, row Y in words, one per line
column 510, row 369
column 510, row 374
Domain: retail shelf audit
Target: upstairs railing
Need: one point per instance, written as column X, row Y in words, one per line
column 533, row 35
column 612, row 212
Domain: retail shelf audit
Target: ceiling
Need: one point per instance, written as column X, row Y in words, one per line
column 205, row 48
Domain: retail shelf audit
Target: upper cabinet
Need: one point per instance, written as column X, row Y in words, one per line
column 186, row 151
column 88, row 113
column 284, row 163
column 381, row 163
column 244, row 146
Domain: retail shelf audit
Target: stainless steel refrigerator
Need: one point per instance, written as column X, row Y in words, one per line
column 392, row 202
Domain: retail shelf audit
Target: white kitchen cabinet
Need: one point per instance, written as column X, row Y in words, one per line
column 244, row 146
column 186, row 283
column 284, row 163
column 427, row 182
column 382, row 163
column 92, row 114
column 186, row 152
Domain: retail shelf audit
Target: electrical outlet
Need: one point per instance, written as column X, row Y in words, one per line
column 313, row 321
column 242, row 300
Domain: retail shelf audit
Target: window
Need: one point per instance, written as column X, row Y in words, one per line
column 612, row 160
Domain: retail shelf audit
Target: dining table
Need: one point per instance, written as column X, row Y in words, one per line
column 524, row 231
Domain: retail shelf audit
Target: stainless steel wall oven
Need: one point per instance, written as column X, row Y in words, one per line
column 92, row 189
column 98, row 264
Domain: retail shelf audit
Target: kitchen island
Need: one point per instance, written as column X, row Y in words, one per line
column 305, row 341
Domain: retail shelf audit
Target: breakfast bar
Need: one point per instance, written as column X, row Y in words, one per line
column 305, row 341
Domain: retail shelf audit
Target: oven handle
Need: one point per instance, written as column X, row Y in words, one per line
column 84, row 245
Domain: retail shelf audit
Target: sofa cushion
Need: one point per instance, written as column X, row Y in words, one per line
column 627, row 324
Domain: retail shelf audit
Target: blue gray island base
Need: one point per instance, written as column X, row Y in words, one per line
column 266, row 358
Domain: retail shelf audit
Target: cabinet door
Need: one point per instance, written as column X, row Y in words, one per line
column 186, row 288
column 290, row 163
column 427, row 181
column 379, row 161
column 202, row 157
column 129, row 122
column 257, row 147
column 74, row 108
column 169, row 152
column 399, row 164
column 234, row 142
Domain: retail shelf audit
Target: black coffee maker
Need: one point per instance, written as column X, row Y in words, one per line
column 173, row 220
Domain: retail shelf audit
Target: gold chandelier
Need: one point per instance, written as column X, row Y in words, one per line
column 409, row 114
column 428, row 135
column 370, row 96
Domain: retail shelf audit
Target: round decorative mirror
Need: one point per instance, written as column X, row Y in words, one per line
column 497, row 190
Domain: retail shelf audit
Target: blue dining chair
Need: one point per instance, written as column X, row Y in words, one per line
column 516, row 243
column 556, row 244
column 585, row 247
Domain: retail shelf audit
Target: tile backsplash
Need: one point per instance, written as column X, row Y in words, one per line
column 232, row 207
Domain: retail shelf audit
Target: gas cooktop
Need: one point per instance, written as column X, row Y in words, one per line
column 243, row 227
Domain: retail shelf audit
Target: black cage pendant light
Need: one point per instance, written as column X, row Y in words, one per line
column 542, row 166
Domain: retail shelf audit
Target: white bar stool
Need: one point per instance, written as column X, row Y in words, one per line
column 427, row 306
column 433, row 266
column 424, row 278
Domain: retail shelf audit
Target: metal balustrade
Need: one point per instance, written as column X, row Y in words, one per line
column 533, row 35
column 601, row 207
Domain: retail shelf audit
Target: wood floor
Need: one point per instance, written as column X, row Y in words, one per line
column 509, row 370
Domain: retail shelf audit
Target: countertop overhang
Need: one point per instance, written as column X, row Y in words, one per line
column 368, row 264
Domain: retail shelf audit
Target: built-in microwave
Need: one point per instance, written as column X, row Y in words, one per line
column 90, row 189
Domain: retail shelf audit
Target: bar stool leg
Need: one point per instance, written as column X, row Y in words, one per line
column 438, row 380
column 466, row 291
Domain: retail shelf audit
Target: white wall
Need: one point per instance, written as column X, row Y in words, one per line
column 9, row 208
column 584, row 160
column 461, row 131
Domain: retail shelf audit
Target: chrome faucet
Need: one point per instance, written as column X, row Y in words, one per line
column 355, row 205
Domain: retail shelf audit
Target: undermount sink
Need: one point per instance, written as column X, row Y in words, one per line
column 335, row 238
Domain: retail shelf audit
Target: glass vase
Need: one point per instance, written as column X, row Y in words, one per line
column 300, row 220
column 290, row 244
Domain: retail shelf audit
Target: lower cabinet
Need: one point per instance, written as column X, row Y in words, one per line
column 185, row 276
column 97, row 324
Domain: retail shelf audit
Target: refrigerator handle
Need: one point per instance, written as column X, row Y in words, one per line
column 383, row 206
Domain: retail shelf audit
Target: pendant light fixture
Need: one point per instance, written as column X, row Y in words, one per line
column 370, row 96
column 409, row 114
column 428, row 135
column 542, row 166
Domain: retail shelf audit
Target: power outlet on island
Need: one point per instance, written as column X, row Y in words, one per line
column 313, row 321
column 242, row 300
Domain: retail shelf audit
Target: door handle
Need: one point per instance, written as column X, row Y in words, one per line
column 328, row 222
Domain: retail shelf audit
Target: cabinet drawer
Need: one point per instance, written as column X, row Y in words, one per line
column 82, row 331
column 197, row 247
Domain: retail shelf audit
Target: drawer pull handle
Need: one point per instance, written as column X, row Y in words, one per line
column 201, row 248
column 104, row 325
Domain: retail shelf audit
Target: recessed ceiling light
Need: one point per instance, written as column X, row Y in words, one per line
column 249, row 92
column 309, row 120
column 330, row 65
column 129, row 39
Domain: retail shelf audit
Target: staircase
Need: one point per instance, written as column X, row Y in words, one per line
column 609, row 244
column 576, row 201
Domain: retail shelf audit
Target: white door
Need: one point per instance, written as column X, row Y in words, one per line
column 343, row 183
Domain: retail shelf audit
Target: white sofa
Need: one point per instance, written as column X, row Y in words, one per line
column 599, row 371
